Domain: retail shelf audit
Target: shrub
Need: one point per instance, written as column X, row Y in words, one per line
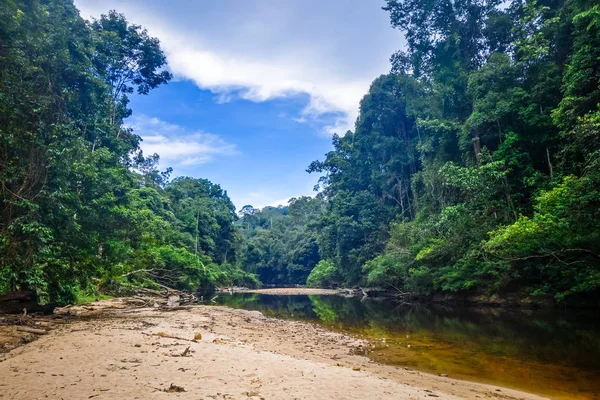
column 324, row 274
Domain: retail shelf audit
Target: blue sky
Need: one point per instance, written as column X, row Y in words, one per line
column 259, row 86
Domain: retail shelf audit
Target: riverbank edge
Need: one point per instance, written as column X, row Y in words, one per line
column 238, row 329
column 502, row 301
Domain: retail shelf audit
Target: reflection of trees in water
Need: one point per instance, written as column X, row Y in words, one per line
column 535, row 335
column 568, row 338
column 325, row 311
column 296, row 307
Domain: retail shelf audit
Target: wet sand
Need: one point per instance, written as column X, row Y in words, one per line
column 111, row 351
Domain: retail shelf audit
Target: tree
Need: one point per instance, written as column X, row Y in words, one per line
column 472, row 162
column 80, row 205
column 281, row 242
column 128, row 59
column 206, row 216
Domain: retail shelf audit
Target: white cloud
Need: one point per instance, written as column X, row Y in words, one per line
column 260, row 50
column 177, row 146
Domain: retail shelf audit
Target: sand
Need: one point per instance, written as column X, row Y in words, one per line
column 289, row 291
column 111, row 351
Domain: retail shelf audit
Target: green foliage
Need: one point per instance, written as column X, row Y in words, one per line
column 386, row 269
column 206, row 216
column 91, row 297
column 324, row 274
column 280, row 243
column 557, row 249
column 474, row 164
column 74, row 213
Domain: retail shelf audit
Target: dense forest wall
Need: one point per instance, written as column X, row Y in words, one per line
column 81, row 207
column 473, row 166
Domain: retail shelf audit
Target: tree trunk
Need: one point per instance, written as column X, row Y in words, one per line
column 550, row 168
column 18, row 296
column 477, row 148
column 15, row 302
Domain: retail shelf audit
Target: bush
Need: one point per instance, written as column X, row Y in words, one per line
column 324, row 274
column 386, row 270
column 555, row 251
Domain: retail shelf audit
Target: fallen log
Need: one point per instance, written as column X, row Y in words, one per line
column 166, row 335
column 15, row 307
column 16, row 302
column 168, row 297
column 151, row 292
column 23, row 295
column 32, row 330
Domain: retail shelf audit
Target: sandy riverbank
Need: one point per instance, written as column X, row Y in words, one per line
column 287, row 291
column 114, row 352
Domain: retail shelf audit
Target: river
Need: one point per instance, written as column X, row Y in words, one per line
column 553, row 353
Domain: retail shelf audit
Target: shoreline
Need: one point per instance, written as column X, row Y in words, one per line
column 299, row 291
column 112, row 351
column 507, row 302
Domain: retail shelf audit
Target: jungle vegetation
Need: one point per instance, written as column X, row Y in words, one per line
column 473, row 166
column 81, row 207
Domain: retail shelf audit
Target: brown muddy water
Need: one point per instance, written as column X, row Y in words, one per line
column 555, row 353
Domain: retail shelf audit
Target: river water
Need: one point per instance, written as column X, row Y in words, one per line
column 551, row 353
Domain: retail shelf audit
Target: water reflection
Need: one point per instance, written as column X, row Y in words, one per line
column 552, row 353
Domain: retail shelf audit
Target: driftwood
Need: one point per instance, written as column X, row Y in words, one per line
column 13, row 307
column 166, row 335
column 32, row 330
column 18, row 296
column 185, row 352
column 16, row 302
column 167, row 298
column 10, row 307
